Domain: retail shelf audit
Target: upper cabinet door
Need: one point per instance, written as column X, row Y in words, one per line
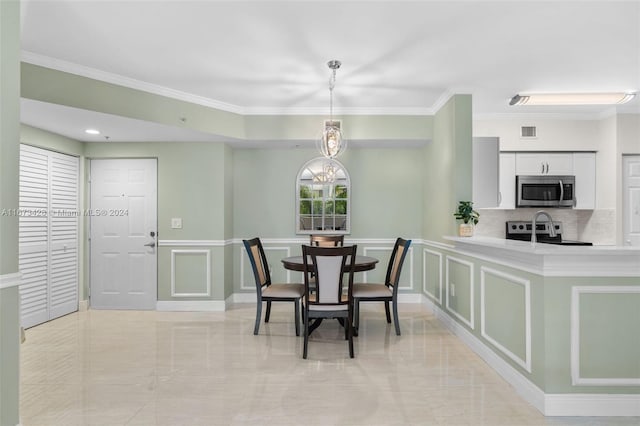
column 541, row 163
column 560, row 164
column 507, row 180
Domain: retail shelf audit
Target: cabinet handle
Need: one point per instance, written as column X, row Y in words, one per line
column 542, row 171
column 547, row 168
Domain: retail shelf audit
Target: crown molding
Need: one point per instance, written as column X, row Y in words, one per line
column 107, row 77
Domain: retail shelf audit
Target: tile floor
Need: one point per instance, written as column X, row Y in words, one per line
column 174, row 368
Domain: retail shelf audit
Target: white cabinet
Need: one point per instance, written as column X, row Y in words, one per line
column 507, row 180
column 582, row 165
column 584, row 169
column 486, row 172
column 544, row 163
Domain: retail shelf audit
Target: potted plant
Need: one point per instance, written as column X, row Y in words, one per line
column 468, row 216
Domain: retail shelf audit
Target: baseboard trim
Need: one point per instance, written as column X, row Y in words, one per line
column 593, row 405
column 574, row 405
column 191, row 305
column 83, row 305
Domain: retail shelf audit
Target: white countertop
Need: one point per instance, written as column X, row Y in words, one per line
column 553, row 260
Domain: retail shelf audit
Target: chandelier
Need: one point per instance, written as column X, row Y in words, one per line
column 331, row 143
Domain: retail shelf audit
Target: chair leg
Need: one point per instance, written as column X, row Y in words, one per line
column 268, row 313
column 306, row 334
column 297, row 314
column 395, row 317
column 349, row 328
column 386, row 309
column 356, row 316
column 346, row 327
column 258, row 315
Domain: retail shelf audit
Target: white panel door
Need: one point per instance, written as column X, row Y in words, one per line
column 48, row 235
column 123, row 234
column 631, row 200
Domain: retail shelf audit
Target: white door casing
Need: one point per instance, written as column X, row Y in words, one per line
column 123, row 233
column 631, row 200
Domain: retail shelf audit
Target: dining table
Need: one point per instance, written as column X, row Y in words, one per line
column 361, row 264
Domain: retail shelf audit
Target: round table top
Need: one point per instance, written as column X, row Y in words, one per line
column 362, row 263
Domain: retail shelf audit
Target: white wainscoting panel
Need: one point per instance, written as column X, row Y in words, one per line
column 206, row 286
column 576, row 380
column 470, row 321
column 244, row 258
column 425, row 253
column 512, row 279
column 408, row 264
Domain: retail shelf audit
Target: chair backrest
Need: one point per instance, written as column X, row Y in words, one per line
column 259, row 263
column 326, row 240
column 400, row 249
column 330, row 264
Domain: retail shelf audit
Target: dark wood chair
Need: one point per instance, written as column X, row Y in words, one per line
column 331, row 265
column 266, row 291
column 383, row 292
column 326, row 240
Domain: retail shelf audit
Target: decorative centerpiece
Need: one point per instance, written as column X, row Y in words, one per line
column 468, row 216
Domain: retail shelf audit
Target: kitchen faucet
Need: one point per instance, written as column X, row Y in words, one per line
column 552, row 229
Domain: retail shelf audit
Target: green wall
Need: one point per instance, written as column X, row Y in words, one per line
column 386, row 191
column 9, row 160
column 447, row 167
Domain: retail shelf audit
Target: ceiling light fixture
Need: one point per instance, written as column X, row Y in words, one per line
column 92, row 131
column 613, row 98
column 331, row 144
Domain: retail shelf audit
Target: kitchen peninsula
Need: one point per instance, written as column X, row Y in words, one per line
column 560, row 323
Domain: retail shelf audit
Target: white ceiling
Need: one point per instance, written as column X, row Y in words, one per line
column 268, row 57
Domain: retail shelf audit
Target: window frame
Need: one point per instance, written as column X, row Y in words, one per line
column 327, row 191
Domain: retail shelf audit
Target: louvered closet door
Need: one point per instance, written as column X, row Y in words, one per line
column 48, row 234
column 34, row 235
column 63, row 235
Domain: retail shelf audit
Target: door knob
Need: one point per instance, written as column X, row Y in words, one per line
column 151, row 244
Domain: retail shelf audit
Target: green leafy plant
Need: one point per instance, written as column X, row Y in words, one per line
column 466, row 213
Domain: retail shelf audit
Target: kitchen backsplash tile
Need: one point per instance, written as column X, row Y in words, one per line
column 596, row 226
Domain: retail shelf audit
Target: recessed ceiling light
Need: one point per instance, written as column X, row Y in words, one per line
column 615, row 98
column 92, row 131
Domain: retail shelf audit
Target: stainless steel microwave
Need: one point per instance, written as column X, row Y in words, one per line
column 545, row 191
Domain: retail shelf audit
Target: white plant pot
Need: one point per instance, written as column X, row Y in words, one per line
column 465, row 230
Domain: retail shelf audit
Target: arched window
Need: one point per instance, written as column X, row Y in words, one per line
column 322, row 198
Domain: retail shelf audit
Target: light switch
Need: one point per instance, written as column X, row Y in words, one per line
column 176, row 223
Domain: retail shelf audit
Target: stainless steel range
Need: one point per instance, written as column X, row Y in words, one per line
column 521, row 230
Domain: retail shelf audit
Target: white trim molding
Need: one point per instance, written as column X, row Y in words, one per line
column 194, row 243
column 191, row 305
column 577, row 405
column 10, row 280
column 512, row 279
column 471, row 320
column 576, row 380
column 207, row 254
column 425, row 253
